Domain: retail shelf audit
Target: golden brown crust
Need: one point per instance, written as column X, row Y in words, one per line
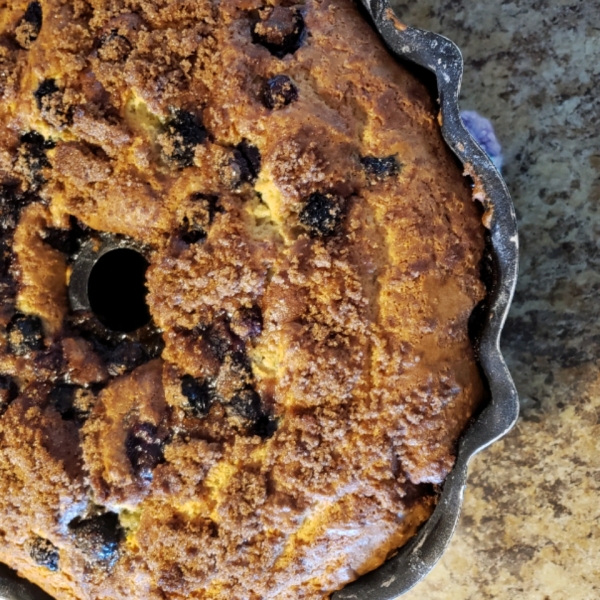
column 314, row 259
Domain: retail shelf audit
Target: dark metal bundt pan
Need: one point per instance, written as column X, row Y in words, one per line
column 412, row 563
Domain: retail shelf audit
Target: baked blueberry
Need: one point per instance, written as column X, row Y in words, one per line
column 8, row 284
column 44, row 553
column 210, row 203
column 98, row 537
column 36, row 142
column 25, row 334
column 33, row 15
column 144, row 449
column 199, row 393
column 125, row 357
column 49, row 99
column 6, row 257
column 322, row 214
column 11, row 204
column 221, row 339
column 30, row 25
column 62, row 398
column 120, row 352
column 265, row 426
column 114, row 47
column 198, row 218
column 72, row 402
column 248, row 322
column 235, row 376
column 239, row 169
column 8, row 392
column 32, row 158
column 252, row 156
column 279, row 29
column 192, row 234
column 245, row 164
column 183, row 132
column 246, row 404
column 279, row 91
column 380, row 168
column 47, row 88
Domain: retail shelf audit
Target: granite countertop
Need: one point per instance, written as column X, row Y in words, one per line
column 530, row 528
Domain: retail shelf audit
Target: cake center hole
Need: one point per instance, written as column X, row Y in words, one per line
column 117, row 290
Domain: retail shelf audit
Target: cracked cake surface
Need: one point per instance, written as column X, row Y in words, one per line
column 280, row 420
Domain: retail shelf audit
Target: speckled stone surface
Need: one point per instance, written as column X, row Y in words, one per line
column 531, row 522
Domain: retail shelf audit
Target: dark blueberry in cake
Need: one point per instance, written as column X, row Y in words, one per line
column 240, row 169
column 67, row 241
column 25, row 334
column 239, row 367
column 33, row 15
column 8, row 392
column 248, row 323
column 98, row 537
column 114, row 47
column 210, row 204
column 252, row 155
column 32, row 159
column 36, row 142
column 199, row 393
column 192, row 234
column 265, row 426
column 30, row 25
column 279, row 91
column 322, row 214
column 44, row 554
column 72, row 402
column 246, row 404
column 62, row 399
column 380, row 168
column 47, row 88
column 84, row 401
column 8, row 285
column 144, row 449
column 152, row 341
column 5, row 259
column 51, row 360
column 221, row 340
column 49, row 99
column 183, row 132
column 11, row 204
column 279, row 29
column 120, row 352
column 198, row 218
column 245, row 164
column 125, row 357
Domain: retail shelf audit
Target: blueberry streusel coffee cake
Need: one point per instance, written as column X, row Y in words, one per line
column 237, row 266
